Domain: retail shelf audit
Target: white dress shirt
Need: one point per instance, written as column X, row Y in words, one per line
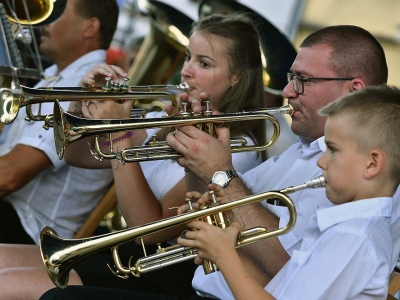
column 395, row 227
column 295, row 166
column 342, row 256
column 61, row 196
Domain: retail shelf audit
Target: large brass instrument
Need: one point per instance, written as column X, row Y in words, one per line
column 33, row 12
column 18, row 19
column 11, row 100
column 60, row 255
column 69, row 128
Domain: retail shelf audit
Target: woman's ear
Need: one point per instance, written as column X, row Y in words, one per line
column 235, row 79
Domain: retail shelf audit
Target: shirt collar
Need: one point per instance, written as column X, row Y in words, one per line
column 373, row 207
column 316, row 146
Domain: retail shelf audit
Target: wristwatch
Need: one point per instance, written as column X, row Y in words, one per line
column 222, row 178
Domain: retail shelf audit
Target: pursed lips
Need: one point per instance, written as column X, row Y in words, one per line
column 294, row 105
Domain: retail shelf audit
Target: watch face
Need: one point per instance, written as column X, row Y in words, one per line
column 220, row 178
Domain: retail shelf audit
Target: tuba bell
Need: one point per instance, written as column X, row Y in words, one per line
column 33, row 12
column 17, row 19
column 60, row 255
column 163, row 50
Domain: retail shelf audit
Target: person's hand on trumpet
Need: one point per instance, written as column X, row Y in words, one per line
column 202, row 154
column 96, row 77
column 210, row 241
column 192, row 105
column 107, row 109
column 199, row 199
column 104, row 109
column 192, row 142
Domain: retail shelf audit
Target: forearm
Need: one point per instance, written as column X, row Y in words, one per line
column 135, row 197
column 139, row 205
column 137, row 201
column 243, row 277
column 268, row 254
column 78, row 154
column 20, row 166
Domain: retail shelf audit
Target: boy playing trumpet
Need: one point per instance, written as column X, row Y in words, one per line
column 347, row 251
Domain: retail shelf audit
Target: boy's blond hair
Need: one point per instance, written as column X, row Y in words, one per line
column 375, row 113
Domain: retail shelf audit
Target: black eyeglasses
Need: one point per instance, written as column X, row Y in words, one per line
column 298, row 81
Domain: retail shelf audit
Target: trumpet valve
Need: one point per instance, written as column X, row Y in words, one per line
column 184, row 112
column 116, row 87
column 208, row 110
column 213, row 198
column 159, row 248
column 189, row 202
column 124, row 84
column 107, row 87
column 154, row 141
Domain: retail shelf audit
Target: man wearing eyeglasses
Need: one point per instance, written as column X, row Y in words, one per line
column 331, row 62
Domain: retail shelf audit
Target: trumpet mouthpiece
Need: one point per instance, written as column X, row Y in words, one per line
column 183, row 87
column 317, row 182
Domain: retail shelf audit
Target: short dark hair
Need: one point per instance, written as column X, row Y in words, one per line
column 355, row 52
column 106, row 11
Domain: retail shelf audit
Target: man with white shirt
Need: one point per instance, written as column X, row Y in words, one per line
column 36, row 188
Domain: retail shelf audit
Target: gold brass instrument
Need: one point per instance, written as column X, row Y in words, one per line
column 69, row 128
column 11, row 100
column 40, row 12
column 18, row 19
column 60, row 255
column 163, row 50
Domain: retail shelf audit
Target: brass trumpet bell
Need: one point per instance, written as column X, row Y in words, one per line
column 60, row 255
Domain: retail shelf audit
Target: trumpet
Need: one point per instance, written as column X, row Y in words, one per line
column 11, row 100
column 60, row 255
column 69, row 128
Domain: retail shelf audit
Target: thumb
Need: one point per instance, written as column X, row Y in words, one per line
column 235, row 226
column 224, row 135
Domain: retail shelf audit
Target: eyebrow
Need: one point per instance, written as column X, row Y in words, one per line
column 330, row 143
column 300, row 73
column 205, row 56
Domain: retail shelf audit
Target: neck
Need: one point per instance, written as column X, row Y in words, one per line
column 377, row 188
column 65, row 60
